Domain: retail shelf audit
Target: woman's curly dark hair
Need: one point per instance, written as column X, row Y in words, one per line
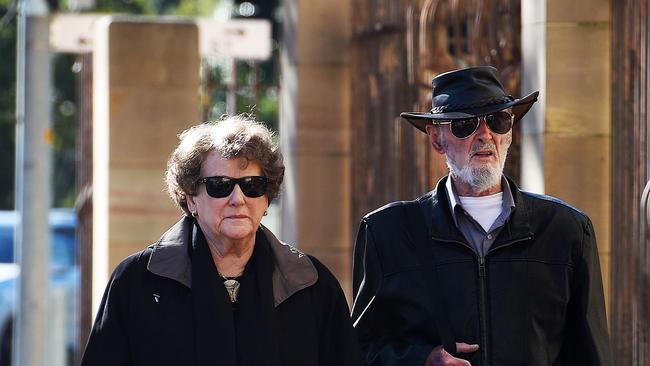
column 232, row 137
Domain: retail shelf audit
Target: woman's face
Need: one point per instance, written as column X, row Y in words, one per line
column 235, row 217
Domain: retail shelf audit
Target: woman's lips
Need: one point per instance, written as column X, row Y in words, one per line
column 237, row 217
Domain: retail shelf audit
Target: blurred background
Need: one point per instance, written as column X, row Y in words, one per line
column 93, row 94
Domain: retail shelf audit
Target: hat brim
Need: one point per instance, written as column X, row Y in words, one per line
column 519, row 107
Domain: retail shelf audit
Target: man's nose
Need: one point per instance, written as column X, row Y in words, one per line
column 483, row 130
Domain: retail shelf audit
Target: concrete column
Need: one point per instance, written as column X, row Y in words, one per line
column 33, row 194
column 533, row 77
column 315, row 131
column 145, row 90
column 578, row 126
column 575, row 122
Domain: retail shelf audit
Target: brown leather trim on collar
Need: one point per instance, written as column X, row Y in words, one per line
column 293, row 270
column 170, row 257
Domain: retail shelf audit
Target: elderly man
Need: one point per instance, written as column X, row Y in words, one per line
column 478, row 272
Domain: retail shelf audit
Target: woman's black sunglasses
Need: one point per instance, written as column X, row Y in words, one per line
column 220, row 186
column 499, row 122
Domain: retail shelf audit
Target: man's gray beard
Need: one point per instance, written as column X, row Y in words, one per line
column 479, row 178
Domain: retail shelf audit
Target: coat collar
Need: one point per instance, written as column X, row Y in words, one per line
column 436, row 208
column 292, row 272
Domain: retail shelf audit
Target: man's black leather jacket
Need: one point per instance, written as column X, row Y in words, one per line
column 536, row 298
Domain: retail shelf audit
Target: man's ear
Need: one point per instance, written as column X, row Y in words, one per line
column 434, row 137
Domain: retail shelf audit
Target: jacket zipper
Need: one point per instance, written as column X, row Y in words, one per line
column 483, row 290
column 482, row 273
column 510, row 243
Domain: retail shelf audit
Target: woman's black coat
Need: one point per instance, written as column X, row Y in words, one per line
column 147, row 314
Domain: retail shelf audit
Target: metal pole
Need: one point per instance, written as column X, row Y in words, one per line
column 33, row 160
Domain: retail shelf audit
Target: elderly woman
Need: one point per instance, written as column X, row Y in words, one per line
column 218, row 288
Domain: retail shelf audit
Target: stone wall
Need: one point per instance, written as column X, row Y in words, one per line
column 146, row 83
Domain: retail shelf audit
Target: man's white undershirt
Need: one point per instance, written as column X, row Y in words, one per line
column 483, row 209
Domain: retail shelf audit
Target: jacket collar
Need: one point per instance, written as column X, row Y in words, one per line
column 292, row 272
column 437, row 210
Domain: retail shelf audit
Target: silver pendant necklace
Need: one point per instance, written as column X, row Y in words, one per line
column 232, row 286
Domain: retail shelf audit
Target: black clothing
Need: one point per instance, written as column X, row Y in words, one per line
column 535, row 298
column 232, row 330
column 154, row 310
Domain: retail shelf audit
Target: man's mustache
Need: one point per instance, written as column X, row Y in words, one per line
column 482, row 146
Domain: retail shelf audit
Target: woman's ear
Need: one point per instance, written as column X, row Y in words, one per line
column 434, row 132
column 191, row 204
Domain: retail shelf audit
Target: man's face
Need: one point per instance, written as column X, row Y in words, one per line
column 476, row 162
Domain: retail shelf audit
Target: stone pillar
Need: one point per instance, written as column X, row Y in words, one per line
column 533, row 77
column 575, row 122
column 315, row 130
column 145, row 92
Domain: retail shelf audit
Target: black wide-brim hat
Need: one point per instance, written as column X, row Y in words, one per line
column 466, row 93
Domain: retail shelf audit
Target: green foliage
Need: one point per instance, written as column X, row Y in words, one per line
column 192, row 8
column 7, row 107
column 256, row 88
column 63, row 125
column 261, row 100
column 268, row 107
column 64, row 128
column 125, row 6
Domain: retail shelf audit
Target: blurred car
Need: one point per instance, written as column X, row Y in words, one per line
column 63, row 283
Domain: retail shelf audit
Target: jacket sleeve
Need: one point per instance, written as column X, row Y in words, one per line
column 107, row 343
column 338, row 342
column 589, row 343
column 379, row 345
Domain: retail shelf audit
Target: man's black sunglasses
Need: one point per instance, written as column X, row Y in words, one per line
column 499, row 122
column 220, row 186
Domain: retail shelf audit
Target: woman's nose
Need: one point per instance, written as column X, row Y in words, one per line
column 236, row 196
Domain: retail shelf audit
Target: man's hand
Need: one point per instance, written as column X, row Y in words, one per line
column 440, row 357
